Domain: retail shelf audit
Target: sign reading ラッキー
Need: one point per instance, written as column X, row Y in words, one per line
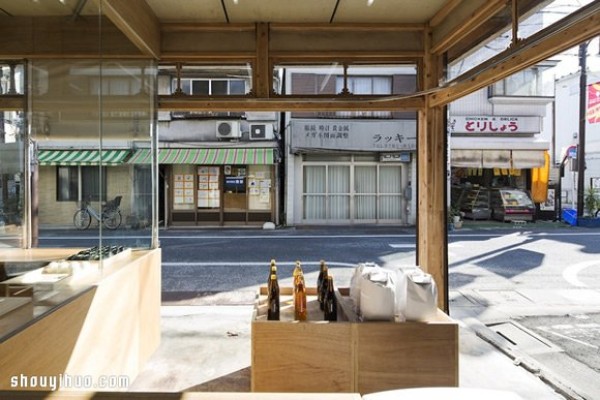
column 354, row 135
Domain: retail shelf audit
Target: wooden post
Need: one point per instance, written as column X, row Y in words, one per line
column 432, row 236
column 262, row 76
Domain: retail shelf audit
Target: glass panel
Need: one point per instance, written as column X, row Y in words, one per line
column 237, row 87
column 101, row 109
column 339, row 207
column 314, row 207
column 339, row 182
column 314, row 192
column 390, row 207
column 390, row 182
column 218, row 87
column 67, row 183
column 12, row 165
column 200, row 87
column 365, row 187
column 533, row 21
column 260, row 187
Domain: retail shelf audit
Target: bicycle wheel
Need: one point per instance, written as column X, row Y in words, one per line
column 82, row 219
column 112, row 219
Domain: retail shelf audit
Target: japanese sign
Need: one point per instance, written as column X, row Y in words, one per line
column 593, row 108
column 354, row 135
column 494, row 125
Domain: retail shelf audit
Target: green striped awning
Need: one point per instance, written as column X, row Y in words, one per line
column 82, row 157
column 206, row 156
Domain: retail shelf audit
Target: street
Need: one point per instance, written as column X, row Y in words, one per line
column 530, row 285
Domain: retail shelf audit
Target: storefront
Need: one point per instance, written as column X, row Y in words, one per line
column 217, row 186
column 351, row 172
column 498, row 152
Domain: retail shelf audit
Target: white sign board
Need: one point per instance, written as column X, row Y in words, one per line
column 354, row 135
column 494, row 125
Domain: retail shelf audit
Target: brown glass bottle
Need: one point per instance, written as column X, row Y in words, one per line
column 320, row 281
column 330, row 303
column 322, row 293
column 272, row 271
column 297, row 271
column 300, row 312
column 273, row 299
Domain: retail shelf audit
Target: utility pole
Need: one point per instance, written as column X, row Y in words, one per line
column 582, row 111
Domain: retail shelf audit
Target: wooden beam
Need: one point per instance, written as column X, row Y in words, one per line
column 570, row 31
column 443, row 12
column 307, row 40
column 53, row 37
column 466, row 17
column 279, row 27
column 12, row 102
column 290, row 103
column 432, row 236
column 137, row 21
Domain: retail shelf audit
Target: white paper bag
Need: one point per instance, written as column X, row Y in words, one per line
column 356, row 282
column 378, row 295
column 421, row 297
column 402, row 276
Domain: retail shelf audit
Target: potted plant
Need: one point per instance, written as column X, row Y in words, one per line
column 591, row 204
column 455, row 218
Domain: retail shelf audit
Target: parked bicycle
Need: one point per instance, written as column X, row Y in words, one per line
column 110, row 215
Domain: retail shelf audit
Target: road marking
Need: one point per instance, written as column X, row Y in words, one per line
column 571, row 272
column 545, row 329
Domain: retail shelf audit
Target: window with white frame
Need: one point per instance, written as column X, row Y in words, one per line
column 357, row 191
column 365, row 85
column 85, row 181
column 211, row 87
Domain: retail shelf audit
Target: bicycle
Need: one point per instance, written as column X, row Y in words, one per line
column 110, row 216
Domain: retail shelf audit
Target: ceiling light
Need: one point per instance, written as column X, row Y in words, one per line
column 370, row 3
column 236, row 1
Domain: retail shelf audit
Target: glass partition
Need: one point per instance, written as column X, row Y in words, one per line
column 73, row 207
column 89, row 117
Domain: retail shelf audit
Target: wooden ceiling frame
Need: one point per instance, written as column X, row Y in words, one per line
column 570, row 31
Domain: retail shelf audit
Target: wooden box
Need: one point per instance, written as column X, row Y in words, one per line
column 348, row 355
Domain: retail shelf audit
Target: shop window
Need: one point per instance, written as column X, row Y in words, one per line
column 91, row 181
column 260, row 184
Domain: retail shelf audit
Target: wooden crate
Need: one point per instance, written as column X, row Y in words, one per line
column 348, row 355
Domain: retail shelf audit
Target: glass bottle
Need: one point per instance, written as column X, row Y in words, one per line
column 323, row 291
column 272, row 271
column 297, row 271
column 273, row 299
column 330, row 302
column 300, row 312
column 320, row 280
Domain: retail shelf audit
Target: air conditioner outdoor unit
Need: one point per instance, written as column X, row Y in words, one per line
column 261, row 131
column 228, row 130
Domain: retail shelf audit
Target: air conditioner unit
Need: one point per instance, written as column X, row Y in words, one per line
column 261, row 131
column 228, row 130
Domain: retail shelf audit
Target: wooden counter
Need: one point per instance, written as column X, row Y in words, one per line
column 349, row 356
column 107, row 323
